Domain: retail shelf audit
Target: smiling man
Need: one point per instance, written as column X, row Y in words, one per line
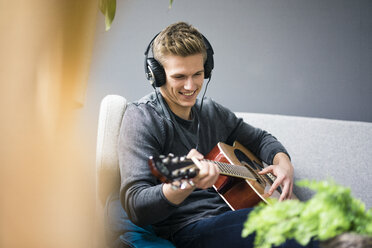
column 185, row 77
column 173, row 120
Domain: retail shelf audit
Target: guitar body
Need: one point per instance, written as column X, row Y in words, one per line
column 240, row 185
column 241, row 193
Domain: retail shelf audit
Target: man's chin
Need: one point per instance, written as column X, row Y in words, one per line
column 189, row 103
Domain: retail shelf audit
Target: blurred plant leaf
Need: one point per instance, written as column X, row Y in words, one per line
column 108, row 9
column 330, row 212
column 170, row 3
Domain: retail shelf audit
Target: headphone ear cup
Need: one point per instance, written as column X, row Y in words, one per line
column 157, row 71
column 209, row 64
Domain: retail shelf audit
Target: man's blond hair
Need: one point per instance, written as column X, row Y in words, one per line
column 179, row 39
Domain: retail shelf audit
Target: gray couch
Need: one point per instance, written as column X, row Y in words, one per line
column 324, row 148
column 319, row 148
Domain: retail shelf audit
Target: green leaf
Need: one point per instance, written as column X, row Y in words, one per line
column 108, row 9
column 330, row 212
column 170, row 3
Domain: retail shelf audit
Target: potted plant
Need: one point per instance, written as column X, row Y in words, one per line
column 332, row 216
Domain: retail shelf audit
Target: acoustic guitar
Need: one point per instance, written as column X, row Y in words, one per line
column 239, row 183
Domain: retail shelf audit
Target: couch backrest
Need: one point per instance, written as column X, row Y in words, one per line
column 107, row 165
column 324, row 148
column 319, row 148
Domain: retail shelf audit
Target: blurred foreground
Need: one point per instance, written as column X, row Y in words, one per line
column 46, row 184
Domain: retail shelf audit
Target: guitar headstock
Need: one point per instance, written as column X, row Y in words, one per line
column 171, row 169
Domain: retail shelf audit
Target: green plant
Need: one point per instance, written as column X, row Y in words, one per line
column 330, row 212
column 108, row 9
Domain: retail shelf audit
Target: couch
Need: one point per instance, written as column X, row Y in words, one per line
column 319, row 149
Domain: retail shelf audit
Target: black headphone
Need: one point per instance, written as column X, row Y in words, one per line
column 155, row 73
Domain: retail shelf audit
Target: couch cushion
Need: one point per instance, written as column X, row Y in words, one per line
column 121, row 232
column 324, row 148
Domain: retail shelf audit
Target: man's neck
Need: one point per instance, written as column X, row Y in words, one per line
column 182, row 112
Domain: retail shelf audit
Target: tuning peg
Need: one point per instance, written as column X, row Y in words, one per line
column 175, row 160
column 166, row 160
column 183, row 185
column 191, row 183
column 171, row 155
column 183, row 173
column 192, row 172
column 175, row 186
column 175, row 173
column 183, row 158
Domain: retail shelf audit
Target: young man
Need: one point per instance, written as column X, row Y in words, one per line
column 173, row 120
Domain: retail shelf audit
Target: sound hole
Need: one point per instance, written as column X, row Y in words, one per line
column 244, row 158
column 252, row 166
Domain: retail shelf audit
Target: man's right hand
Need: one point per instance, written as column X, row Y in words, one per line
column 208, row 172
column 207, row 176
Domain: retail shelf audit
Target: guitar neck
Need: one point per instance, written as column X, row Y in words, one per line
column 232, row 170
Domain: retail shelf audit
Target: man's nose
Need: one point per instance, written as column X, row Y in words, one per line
column 189, row 84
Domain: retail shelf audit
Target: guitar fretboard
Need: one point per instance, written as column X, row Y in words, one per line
column 233, row 170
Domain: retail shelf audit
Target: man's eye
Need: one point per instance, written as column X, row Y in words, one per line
column 179, row 77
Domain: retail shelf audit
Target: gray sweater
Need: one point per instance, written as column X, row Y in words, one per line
column 149, row 130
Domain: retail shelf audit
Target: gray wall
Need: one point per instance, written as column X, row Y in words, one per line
column 294, row 57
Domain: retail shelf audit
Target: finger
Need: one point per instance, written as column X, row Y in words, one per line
column 203, row 168
column 197, row 162
column 209, row 175
column 284, row 194
column 194, row 153
column 275, row 185
column 266, row 170
column 206, row 182
column 214, row 167
column 210, row 168
column 290, row 190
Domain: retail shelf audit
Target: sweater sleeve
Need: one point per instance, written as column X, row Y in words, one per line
column 259, row 141
column 141, row 135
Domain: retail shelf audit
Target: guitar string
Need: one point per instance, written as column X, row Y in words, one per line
column 237, row 170
column 231, row 168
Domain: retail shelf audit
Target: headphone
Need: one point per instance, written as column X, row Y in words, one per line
column 155, row 72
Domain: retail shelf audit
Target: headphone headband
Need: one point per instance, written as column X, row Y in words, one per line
column 155, row 73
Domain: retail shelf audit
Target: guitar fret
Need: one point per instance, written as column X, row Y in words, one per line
column 233, row 170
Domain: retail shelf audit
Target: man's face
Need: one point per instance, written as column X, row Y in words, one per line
column 184, row 80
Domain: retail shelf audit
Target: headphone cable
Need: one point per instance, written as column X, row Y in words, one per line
column 198, row 113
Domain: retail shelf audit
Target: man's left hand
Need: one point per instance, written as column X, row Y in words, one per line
column 282, row 168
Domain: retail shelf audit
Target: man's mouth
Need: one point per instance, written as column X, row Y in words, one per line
column 188, row 93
